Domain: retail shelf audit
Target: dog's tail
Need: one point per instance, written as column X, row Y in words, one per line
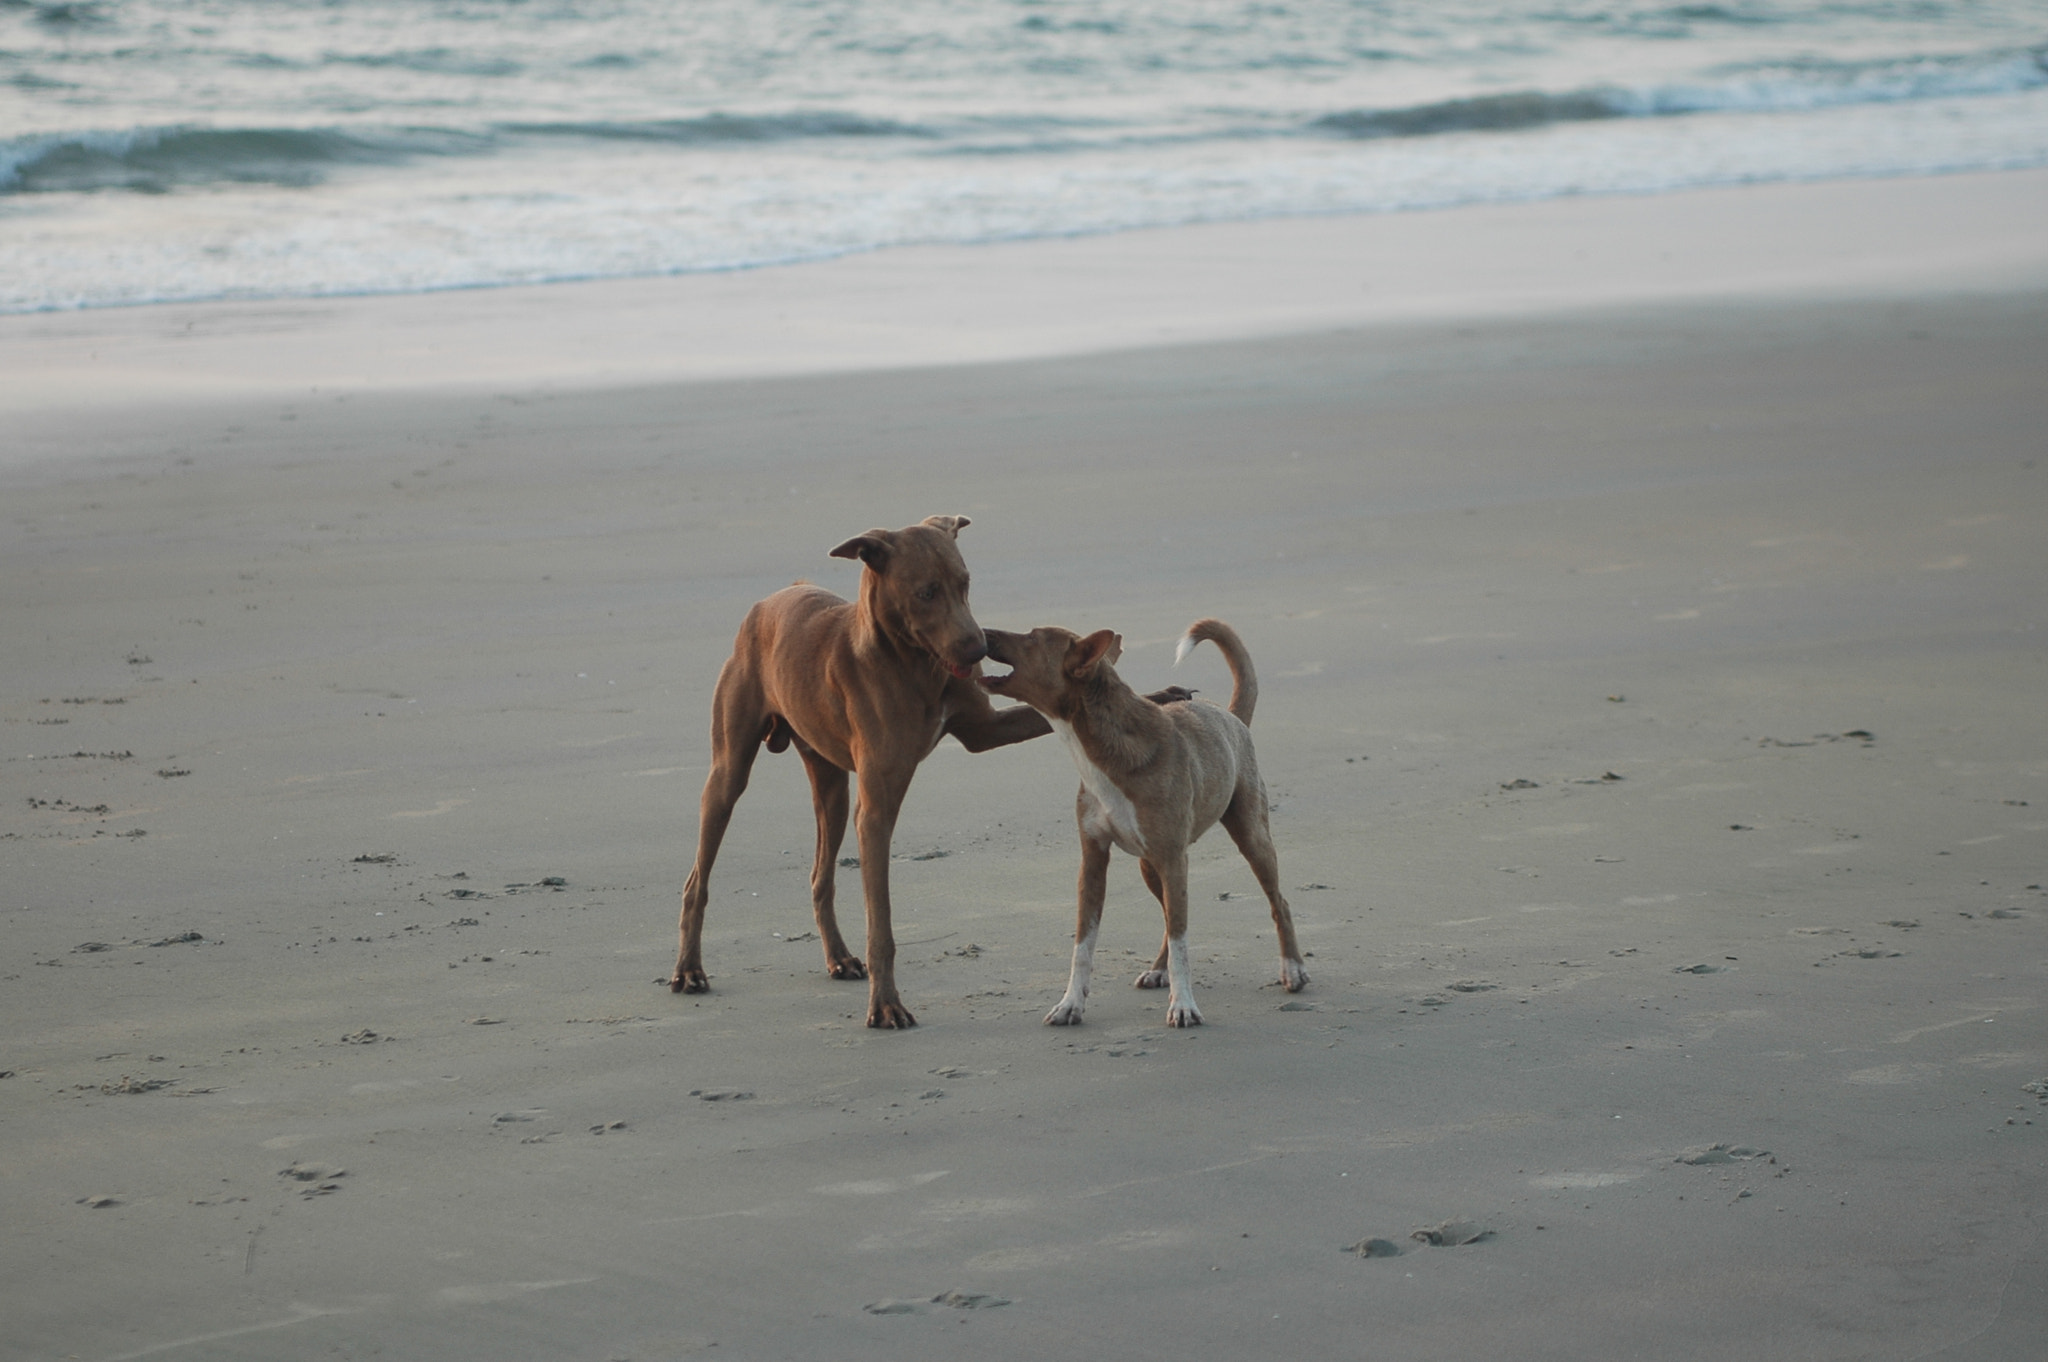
column 1244, row 682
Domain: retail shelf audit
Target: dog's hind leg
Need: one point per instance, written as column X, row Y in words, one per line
column 1246, row 822
column 1156, row 976
column 738, row 726
column 1093, row 888
column 829, row 796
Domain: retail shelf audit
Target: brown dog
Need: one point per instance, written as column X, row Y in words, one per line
column 868, row 687
column 1156, row 773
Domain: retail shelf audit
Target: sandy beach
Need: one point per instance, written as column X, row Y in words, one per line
column 1648, row 597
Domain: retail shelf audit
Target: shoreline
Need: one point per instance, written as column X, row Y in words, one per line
column 941, row 305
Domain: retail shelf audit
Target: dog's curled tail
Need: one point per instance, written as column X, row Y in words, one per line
column 1244, row 682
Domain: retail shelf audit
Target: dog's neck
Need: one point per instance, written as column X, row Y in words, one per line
column 880, row 621
column 1119, row 730
column 884, row 630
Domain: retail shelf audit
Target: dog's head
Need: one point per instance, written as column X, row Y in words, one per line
column 1050, row 667
column 915, row 589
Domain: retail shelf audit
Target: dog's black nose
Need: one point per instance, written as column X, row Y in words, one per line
column 975, row 653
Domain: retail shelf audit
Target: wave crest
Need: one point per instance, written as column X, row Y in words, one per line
column 1483, row 113
column 157, row 160
column 710, row 129
column 1764, row 88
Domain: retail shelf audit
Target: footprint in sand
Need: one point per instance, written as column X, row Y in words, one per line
column 1374, row 1248
column 319, row 1180
column 877, row 1186
column 1574, row 1182
column 957, row 1300
column 1453, row 1234
column 1723, row 1153
column 130, row 1086
column 1887, row 1075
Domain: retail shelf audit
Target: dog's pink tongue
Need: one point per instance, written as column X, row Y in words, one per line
column 959, row 672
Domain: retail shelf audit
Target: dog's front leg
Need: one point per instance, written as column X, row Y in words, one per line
column 980, row 726
column 881, row 796
column 1156, row 976
column 1180, row 1001
column 1094, row 886
column 829, row 798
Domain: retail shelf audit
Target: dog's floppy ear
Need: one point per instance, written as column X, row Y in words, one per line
column 950, row 524
column 871, row 548
column 1085, row 655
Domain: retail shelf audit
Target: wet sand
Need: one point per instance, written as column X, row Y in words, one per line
column 1651, row 709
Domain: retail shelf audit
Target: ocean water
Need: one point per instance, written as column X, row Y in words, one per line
column 156, row 150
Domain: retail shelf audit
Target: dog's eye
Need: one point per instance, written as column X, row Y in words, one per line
column 928, row 592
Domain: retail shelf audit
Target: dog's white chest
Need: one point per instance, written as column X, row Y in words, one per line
column 1113, row 813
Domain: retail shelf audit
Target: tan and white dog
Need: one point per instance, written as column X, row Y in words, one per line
column 1156, row 773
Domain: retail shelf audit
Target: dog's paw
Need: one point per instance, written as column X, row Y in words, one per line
column 1293, row 975
column 689, row 981
column 1068, row 1013
column 890, row 1017
column 847, row 967
column 1151, row 978
column 1183, row 1014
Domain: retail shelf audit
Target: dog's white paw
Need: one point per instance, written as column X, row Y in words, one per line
column 1068, row 1013
column 1151, row 978
column 1293, row 975
column 1183, row 1014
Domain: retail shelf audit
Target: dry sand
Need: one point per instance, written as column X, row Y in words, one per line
column 1652, row 709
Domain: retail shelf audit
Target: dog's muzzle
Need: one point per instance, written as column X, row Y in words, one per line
column 964, row 670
